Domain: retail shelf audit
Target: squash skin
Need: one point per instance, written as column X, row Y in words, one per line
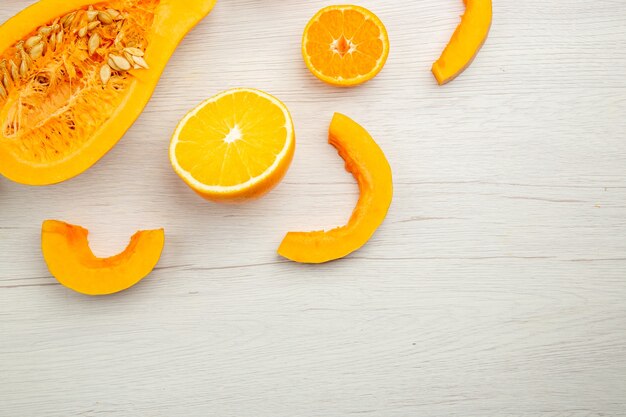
column 466, row 41
column 369, row 166
column 66, row 251
column 172, row 21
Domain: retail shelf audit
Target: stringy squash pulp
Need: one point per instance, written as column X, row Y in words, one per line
column 75, row 75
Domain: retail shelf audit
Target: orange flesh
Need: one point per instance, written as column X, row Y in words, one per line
column 235, row 146
column 345, row 45
column 51, row 112
column 226, row 143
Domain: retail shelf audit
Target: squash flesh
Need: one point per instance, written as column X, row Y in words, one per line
column 70, row 260
column 50, row 113
column 369, row 166
column 79, row 121
column 466, row 41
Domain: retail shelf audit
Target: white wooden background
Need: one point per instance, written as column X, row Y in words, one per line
column 496, row 287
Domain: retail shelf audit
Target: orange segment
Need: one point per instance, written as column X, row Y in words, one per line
column 345, row 45
column 236, row 145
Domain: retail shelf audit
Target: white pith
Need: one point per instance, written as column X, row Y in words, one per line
column 234, row 135
column 334, row 46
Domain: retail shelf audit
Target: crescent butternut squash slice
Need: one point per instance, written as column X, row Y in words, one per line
column 76, row 74
column 70, row 260
column 367, row 162
column 465, row 42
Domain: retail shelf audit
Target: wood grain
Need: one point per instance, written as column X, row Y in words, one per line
column 495, row 288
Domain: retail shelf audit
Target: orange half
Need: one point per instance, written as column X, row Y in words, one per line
column 345, row 45
column 234, row 146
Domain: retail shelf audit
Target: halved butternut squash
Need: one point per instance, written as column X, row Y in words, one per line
column 465, row 42
column 76, row 74
column 367, row 162
column 66, row 250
